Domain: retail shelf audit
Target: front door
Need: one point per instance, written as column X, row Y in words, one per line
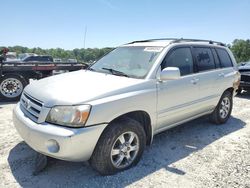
column 177, row 99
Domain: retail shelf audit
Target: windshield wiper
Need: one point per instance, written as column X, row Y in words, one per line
column 115, row 72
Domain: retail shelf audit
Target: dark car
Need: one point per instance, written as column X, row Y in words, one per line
column 38, row 58
column 244, row 70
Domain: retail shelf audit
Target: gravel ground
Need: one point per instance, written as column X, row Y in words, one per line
column 195, row 154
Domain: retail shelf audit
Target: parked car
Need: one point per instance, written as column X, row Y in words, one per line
column 110, row 112
column 38, row 58
column 244, row 69
column 72, row 60
column 10, row 56
column 57, row 60
column 25, row 55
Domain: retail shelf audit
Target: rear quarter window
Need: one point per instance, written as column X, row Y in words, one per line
column 224, row 57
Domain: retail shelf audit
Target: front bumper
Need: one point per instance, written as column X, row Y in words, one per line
column 71, row 144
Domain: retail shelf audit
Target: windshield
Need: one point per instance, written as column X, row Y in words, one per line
column 130, row 61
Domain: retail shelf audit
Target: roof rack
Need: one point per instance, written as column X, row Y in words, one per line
column 176, row 40
column 198, row 40
column 150, row 40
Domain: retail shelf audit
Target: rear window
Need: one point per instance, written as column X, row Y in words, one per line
column 204, row 58
column 224, row 57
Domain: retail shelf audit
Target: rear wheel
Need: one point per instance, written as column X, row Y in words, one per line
column 11, row 87
column 120, row 147
column 223, row 109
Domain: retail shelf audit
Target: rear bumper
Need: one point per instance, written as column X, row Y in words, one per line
column 69, row 144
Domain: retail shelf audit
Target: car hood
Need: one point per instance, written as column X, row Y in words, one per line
column 79, row 87
column 244, row 68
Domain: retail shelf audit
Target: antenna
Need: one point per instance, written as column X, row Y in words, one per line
column 85, row 33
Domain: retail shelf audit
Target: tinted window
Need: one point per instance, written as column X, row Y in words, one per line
column 216, row 59
column 181, row 58
column 225, row 59
column 31, row 58
column 37, row 58
column 204, row 58
column 43, row 58
column 46, row 58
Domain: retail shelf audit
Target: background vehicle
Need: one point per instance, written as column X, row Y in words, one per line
column 57, row 60
column 72, row 61
column 244, row 69
column 38, row 58
column 24, row 55
column 14, row 76
column 134, row 92
column 11, row 55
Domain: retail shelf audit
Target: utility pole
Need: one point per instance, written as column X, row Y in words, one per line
column 85, row 33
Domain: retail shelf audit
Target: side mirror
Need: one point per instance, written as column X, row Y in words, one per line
column 170, row 73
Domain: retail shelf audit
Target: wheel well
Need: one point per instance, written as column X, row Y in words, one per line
column 143, row 118
column 16, row 75
column 231, row 90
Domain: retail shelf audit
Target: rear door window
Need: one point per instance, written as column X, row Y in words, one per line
column 204, row 58
column 224, row 57
column 37, row 58
column 46, row 58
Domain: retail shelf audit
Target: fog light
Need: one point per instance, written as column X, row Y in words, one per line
column 52, row 146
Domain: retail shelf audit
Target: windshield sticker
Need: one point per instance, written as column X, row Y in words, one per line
column 153, row 49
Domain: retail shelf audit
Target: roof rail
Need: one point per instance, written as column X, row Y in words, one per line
column 199, row 40
column 176, row 40
column 150, row 40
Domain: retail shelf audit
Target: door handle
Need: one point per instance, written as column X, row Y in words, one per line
column 195, row 80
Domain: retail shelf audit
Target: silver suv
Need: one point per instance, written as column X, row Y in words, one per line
column 110, row 112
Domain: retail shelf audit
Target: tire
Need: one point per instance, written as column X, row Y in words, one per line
column 223, row 109
column 11, row 87
column 107, row 164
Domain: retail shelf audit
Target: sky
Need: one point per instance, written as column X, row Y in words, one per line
column 110, row 23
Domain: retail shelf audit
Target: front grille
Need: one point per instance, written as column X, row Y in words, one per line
column 245, row 78
column 31, row 107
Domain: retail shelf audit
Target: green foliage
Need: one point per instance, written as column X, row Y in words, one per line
column 241, row 50
column 239, row 47
column 83, row 55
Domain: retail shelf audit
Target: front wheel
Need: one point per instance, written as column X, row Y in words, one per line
column 223, row 109
column 120, row 147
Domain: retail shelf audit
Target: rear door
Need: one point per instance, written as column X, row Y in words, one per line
column 209, row 75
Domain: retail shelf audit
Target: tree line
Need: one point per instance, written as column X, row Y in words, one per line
column 241, row 50
column 239, row 47
column 82, row 55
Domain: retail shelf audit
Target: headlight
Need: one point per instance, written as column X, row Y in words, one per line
column 72, row 116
